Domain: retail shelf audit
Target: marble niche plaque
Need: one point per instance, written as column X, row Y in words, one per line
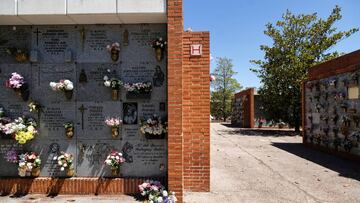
column 43, row 74
column 8, row 169
column 6, row 70
column 48, row 149
column 54, row 43
column 144, row 159
column 91, row 117
column 13, row 37
column 92, row 154
column 93, row 88
column 52, row 119
column 16, row 109
column 93, row 41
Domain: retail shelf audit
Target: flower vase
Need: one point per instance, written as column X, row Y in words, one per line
column 115, row 94
column 114, row 55
column 114, row 171
column 21, row 57
column 114, row 132
column 22, row 172
column 35, row 172
column 69, row 132
column 70, row 172
column 159, row 54
column 68, row 94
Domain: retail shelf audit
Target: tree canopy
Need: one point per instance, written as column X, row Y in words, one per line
column 224, row 88
column 299, row 42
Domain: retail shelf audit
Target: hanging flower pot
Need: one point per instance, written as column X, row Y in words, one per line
column 70, row 172
column 21, row 57
column 115, row 55
column 114, row 50
column 68, row 94
column 159, row 45
column 159, row 53
column 115, row 132
column 35, row 172
column 114, row 171
column 115, row 94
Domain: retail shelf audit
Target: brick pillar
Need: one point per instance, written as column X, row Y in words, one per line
column 175, row 134
column 196, row 113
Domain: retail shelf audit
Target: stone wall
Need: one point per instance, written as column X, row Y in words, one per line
column 331, row 106
column 74, row 52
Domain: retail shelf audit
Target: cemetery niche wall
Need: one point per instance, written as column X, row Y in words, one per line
column 331, row 106
column 79, row 53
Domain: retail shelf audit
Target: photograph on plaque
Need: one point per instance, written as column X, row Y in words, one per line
column 130, row 116
column 159, row 77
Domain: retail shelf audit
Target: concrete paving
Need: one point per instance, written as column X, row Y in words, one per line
column 260, row 166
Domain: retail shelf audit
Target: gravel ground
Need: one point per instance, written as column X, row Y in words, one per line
column 258, row 166
column 270, row 166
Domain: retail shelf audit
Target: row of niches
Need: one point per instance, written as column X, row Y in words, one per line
column 332, row 112
column 82, row 82
column 88, row 43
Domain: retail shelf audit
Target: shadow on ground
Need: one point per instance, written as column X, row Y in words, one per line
column 344, row 167
column 259, row 131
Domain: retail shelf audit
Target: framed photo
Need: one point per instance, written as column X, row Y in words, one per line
column 130, row 113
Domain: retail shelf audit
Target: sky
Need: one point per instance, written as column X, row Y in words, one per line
column 237, row 27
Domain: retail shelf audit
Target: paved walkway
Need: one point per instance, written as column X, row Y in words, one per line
column 251, row 166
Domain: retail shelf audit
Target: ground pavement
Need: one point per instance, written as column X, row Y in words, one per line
column 258, row 166
column 252, row 166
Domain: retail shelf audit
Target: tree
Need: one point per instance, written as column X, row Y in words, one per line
column 299, row 42
column 224, row 88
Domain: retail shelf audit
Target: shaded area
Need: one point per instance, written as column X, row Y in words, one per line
column 344, row 167
column 274, row 132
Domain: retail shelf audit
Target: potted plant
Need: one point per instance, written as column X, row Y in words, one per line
column 21, row 55
column 65, row 86
column 115, row 85
column 155, row 192
column 114, row 50
column 114, row 124
column 153, row 128
column 18, row 84
column 69, row 129
column 159, row 45
column 65, row 161
column 138, row 90
column 29, row 163
column 114, row 160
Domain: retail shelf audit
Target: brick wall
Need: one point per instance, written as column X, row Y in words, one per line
column 175, row 87
column 248, row 107
column 196, row 113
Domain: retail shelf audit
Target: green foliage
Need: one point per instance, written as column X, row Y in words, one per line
column 299, row 42
column 224, row 88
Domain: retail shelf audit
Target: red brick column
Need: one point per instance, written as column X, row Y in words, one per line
column 248, row 107
column 196, row 113
column 175, row 110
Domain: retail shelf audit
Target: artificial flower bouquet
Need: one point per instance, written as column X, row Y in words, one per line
column 65, row 86
column 138, row 90
column 21, row 55
column 114, row 50
column 22, row 129
column 153, row 128
column 159, row 43
column 114, row 124
column 69, row 129
column 115, row 85
column 65, row 162
column 34, row 106
column 19, row 85
column 155, row 192
column 29, row 163
column 114, row 160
